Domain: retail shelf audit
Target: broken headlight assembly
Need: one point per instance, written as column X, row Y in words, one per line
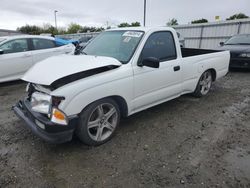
column 40, row 102
column 58, row 116
column 46, row 104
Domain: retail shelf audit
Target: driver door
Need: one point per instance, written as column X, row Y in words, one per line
column 155, row 85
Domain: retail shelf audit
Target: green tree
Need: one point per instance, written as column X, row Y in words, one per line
column 203, row 20
column 237, row 16
column 172, row 22
column 74, row 28
column 135, row 24
column 30, row 29
column 48, row 28
column 125, row 24
column 37, row 30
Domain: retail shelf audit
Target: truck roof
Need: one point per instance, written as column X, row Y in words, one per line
column 145, row 29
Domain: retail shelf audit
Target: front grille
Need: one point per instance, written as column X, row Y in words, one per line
column 234, row 55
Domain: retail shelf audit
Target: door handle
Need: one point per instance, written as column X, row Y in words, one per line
column 177, row 68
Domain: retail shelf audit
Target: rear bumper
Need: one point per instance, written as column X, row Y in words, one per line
column 50, row 132
column 240, row 63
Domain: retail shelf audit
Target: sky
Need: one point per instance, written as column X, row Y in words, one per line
column 16, row 13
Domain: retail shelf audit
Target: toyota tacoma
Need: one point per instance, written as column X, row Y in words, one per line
column 121, row 72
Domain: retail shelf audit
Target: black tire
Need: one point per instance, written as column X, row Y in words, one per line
column 86, row 134
column 199, row 87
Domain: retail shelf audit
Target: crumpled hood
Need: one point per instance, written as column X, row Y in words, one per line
column 49, row 70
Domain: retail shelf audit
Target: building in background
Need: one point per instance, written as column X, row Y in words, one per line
column 209, row 35
column 6, row 32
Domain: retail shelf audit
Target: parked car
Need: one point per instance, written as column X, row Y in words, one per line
column 123, row 72
column 61, row 40
column 65, row 41
column 239, row 46
column 19, row 53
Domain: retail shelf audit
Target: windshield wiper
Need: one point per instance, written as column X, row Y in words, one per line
column 82, row 52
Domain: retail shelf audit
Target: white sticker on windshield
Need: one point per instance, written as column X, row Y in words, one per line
column 127, row 39
column 132, row 34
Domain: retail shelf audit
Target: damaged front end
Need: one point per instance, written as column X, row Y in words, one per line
column 40, row 110
column 42, row 116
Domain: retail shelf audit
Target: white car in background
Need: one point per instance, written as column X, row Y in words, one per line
column 19, row 53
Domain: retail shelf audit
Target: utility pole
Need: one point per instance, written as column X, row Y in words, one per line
column 145, row 9
column 55, row 11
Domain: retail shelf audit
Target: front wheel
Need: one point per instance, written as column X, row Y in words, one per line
column 204, row 84
column 98, row 122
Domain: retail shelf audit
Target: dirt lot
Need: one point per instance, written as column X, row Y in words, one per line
column 187, row 142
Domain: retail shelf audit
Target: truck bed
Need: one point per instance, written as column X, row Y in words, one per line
column 188, row 52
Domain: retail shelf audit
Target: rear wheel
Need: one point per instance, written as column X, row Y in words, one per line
column 204, row 84
column 98, row 122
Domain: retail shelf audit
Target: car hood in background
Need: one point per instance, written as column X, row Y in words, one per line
column 48, row 71
column 236, row 48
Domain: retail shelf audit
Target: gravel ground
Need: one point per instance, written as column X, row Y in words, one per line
column 187, row 142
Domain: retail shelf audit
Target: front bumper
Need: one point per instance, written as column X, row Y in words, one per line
column 240, row 63
column 50, row 132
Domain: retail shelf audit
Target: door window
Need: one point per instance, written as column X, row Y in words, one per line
column 14, row 46
column 160, row 45
column 40, row 44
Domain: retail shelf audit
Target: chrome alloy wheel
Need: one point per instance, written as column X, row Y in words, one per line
column 102, row 122
column 205, row 82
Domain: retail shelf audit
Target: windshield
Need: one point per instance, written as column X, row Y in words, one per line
column 239, row 39
column 117, row 44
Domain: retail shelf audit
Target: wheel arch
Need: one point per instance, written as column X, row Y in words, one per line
column 121, row 102
column 213, row 72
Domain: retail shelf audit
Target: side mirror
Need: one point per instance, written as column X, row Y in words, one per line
column 222, row 43
column 150, row 62
column 1, row 52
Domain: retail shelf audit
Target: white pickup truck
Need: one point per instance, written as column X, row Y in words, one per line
column 121, row 72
